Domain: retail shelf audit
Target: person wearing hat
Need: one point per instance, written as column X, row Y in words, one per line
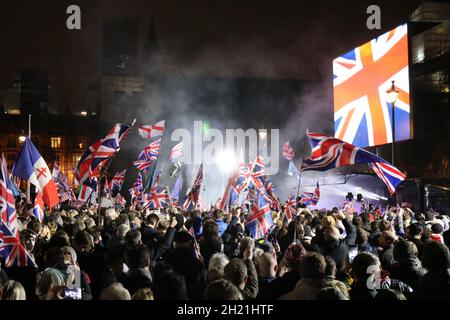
column 184, row 260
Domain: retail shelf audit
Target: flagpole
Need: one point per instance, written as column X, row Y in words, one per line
column 204, row 172
column 301, row 164
column 28, row 184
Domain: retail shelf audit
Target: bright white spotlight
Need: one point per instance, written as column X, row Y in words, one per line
column 226, row 160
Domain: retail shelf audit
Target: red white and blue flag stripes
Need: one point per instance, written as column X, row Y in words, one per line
column 31, row 166
column 147, row 156
column 99, row 152
column 8, row 213
column 290, row 209
column 311, row 198
column 151, row 131
column 328, row 152
column 193, row 195
column 117, row 181
column 157, row 199
column 389, row 174
column 38, row 209
column 260, row 221
column 12, row 250
column 288, row 152
column 177, row 152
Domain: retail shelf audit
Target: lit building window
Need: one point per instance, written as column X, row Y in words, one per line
column 55, row 142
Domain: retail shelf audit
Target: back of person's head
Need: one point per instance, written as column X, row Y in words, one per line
column 384, row 225
column 123, row 219
column 312, row 266
column 332, row 234
column 436, row 257
column 54, row 257
column 361, row 236
column 387, row 238
column 59, row 239
column 13, row 290
column 328, row 222
column 133, row 237
column 143, row 294
column 222, row 290
column 35, row 226
column 330, row 293
column 83, row 241
column 361, row 263
column 245, row 242
column 160, row 268
column 389, row 294
column 182, row 239
column 152, row 219
column 217, row 262
column 210, row 230
column 170, row 286
column 437, row 228
column 236, row 272
column 218, row 214
column 138, row 256
column 414, row 230
column 403, row 250
column 115, row 291
column 267, row 265
column 330, row 269
column 122, row 230
column 115, row 256
column 48, row 279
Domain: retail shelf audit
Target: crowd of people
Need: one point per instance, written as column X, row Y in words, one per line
column 170, row 254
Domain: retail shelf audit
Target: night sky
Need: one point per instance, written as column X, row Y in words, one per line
column 268, row 39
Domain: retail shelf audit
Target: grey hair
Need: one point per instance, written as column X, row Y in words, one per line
column 217, row 262
column 116, row 291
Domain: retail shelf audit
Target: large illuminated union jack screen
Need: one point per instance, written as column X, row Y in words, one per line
column 362, row 115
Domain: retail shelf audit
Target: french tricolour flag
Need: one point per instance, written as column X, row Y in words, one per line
column 32, row 167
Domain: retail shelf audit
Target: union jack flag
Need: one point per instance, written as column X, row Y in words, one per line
column 156, row 130
column 137, row 188
column 64, row 189
column 290, row 209
column 288, row 152
column 98, row 153
column 117, row 181
column 7, row 201
column 193, row 194
column 328, row 153
column 230, row 195
column 120, row 200
column 389, row 174
column 147, row 156
column 257, row 174
column 12, row 250
column 38, row 209
column 157, row 199
column 177, row 152
column 362, row 114
column 311, row 198
column 260, row 221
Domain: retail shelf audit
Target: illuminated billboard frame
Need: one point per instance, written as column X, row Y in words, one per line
column 361, row 78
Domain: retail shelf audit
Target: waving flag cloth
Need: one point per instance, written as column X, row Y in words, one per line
column 328, row 152
column 311, row 198
column 193, row 195
column 293, row 170
column 12, row 250
column 288, row 153
column 99, row 153
column 117, row 181
column 256, row 175
column 289, row 209
column 8, row 213
column 177, row 152
column 32, row 167
column 38, row 209
column 175, row 194
column 147, row 156
column 260, row 220
column 120, row 200
column 63, row 187
column 156, row 130
column 157, row 199
column 137, row 188
column 230, row 195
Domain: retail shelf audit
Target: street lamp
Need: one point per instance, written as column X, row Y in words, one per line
column 392, row 94
column 22, row 137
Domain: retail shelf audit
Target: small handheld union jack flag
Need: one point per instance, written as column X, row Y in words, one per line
column 288, row 152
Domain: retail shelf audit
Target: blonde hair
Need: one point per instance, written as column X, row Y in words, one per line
column 13, row 290
column 328, row 222
column 143, row 294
